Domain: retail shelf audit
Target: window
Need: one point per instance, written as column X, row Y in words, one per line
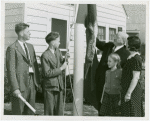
column 112, row 33
column 101, row 33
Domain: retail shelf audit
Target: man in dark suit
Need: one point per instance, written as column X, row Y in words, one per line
column 118, row 46
column 22, row 71
column 52, row 66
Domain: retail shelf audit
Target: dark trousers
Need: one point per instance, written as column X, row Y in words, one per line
column 109, row 106
column 18, row 106
column 53, row 102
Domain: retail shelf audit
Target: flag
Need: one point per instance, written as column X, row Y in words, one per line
column 90, row 24
column 87, row 14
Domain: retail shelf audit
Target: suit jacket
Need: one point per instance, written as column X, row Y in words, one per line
column 18, row 66
column 51, row 70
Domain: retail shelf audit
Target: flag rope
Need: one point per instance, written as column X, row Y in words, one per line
column 69, row 28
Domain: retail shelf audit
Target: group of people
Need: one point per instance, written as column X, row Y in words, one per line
column 23, row 73
column 117, row 75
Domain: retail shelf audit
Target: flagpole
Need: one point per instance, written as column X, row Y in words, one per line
column 79, row 39
column 78, row 69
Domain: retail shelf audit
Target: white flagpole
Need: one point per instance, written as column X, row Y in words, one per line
column 78, row 68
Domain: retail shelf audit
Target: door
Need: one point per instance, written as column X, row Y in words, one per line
column 60, row 26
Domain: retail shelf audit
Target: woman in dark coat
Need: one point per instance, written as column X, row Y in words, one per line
column 131, row 101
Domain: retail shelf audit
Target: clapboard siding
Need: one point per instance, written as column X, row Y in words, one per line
column 63, row 6
column 37, row 27
column 10, row 33
column 109, row 11
column 10, row 26
column 36, row 19
column 51, row 9
column 111, row 7
column 13, row 5
column 14, row 13
column 9, row 40
column 40, row 48
column 35, row 12
column 111, row 21
column 37, row 41
column 111, row 14
column 39, row 16
column 38, row 34
column 12, row 19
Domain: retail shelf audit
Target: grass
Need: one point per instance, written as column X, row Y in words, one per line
column 87, row 110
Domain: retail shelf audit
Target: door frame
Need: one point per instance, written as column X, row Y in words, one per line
column 61, row 17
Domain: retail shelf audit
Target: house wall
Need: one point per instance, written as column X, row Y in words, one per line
column 14, row 13
column 108, row 16
column 39, row 17
column 137, row 19
column 111, row 16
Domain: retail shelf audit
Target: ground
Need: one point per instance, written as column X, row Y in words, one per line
column 87, row 110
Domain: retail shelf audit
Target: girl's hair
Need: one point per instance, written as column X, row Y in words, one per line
column 116, row 58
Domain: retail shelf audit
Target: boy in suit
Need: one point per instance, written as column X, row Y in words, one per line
column 22, row 71
column 52, row 66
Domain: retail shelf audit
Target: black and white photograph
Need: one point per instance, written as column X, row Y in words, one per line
column 75, row 59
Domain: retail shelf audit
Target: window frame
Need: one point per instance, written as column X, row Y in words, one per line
column 101, row 33
column 112, row 32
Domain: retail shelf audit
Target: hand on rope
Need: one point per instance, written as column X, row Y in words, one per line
column 63, row 67
column 67, row 56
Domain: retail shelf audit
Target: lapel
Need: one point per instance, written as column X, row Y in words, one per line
column 111, row 48
column 120, row 50
column 52, row 58
column 19, row 48
column 57, row 57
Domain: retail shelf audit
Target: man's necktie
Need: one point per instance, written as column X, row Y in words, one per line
column 27, row 54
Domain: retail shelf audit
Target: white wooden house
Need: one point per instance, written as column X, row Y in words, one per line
column 46, row 17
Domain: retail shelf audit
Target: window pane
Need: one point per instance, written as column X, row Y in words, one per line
column 101, row 32
column 112, row 33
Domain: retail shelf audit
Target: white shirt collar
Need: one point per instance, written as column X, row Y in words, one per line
column 20, row 42
column 132, row 55
column 52, row 50
column 117, row 48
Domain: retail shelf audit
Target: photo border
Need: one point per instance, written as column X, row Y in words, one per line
column 7, row 117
